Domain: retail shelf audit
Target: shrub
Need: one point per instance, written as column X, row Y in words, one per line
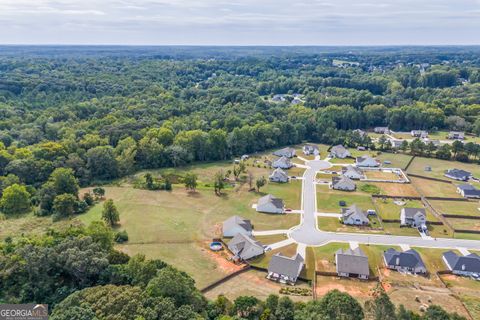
column 370, row 188
column 121, row 236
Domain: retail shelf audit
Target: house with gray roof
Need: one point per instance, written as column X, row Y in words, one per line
column 352, row 263
column 343, row 183
column 468, row 265
column 285, row 269
column 360, row 132
column 419, row 133
column 339, row 151
column 311, row 149
column 270, row 204
column 285, row 152
column 413, row 217
column 244, row 247
column 468, row 191
column 355, row 216
column 278, row 98
column 278, row 175
column 381, row 130
column 352, row 172
column 366, row 161
column 458, row 174
column 234, row 225
column 283, row 163
column 395, row 143
column 456, row 135
column 407, row 261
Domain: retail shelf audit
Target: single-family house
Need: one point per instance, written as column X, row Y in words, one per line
column 311, row 149
column 285, row 269
column 456, row 135
column 343, row 183
column 278, row 98
column 245, row 247
column 406, row 261
column 339, row 151
column 235, row 225
column 468, row 265
column 458, row 174
column 270, row 204
column 381, row 130
column 296, row 101
column 283, row 163
column 352, row 263
column 395, row 143
column 285, row 152
column 419, row 133
column 352, row 172
column 413, row 217
column 366, row 161
column 353, row 215
column 468, row 191
column 360, row 132
column 435, row 142
column 278, row 175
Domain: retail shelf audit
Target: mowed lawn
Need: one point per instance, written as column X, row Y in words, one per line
column 391, row 211
column 395, row 189
column 439, row 167
column 431, row 188
column 334, row 225
column 398, row 160
column 465, row 208
column 328, row 199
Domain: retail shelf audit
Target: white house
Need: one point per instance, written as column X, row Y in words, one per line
column 468, row 265
column 413, row 217
column 285, row 152
column 468, row 191
column 406, row 261
column 278, row 175
column 353, row 215
column 310, row 149
column 245, row 247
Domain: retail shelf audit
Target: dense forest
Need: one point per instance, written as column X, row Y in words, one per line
column 76, row 116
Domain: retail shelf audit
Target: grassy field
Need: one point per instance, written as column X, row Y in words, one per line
column 464, row 224
column 395, row 189
column 375, row 256
column 325, row 255
column 439, row 167
column 467, row 208
column 430, row 188
column 387, row 209
column 327, row 199
column 467, row 290
column 333, row 224
column 398, row 160
column 381, row 175
column 266, row 240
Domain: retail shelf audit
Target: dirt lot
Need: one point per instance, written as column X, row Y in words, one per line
column 397, row 189
column 252, row 283
column 467, row 290
column 361, row 290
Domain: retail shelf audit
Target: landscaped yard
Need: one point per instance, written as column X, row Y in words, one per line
column 327, row 199
column 439, row 167
column 266, row 240
column 431, row 188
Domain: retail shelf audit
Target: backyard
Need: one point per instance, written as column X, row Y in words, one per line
column 438, row 167
column 431, row 188
column 328, row 199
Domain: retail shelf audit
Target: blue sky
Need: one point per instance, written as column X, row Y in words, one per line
column 240, row 22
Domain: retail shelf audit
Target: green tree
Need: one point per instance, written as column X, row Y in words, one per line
column 219, row 182
column 110, row 213
column 260, row 182
column 64, row 204
column 190, row 181
column 285, row 309
column 149, row 181
column 238, row 169
column 380, row 308
column 247, row 307
column 99, row 192
column 64, row 181
column 15, row 199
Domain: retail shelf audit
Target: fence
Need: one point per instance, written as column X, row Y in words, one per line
column 459, row 216
column 224, row 279
column 429, row 178
column 409, row 162
column 395, row 197
column 447, row 199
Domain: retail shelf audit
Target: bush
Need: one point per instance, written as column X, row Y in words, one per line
column 121, row 236
column 370, row 188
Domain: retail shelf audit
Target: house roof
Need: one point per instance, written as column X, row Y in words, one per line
column 412, row 212
column 280, row 173
column 343, row 180
column 338, row 149
column 469, row 263
column 283, row 161
column 471, row 193
column 365, row 158
column 351, row 169
column 352, row 261
column 458, row 173
column 241, row 242
column 285, row 152
column 277, row 202
column 466, row 187
column 354, row 210
column 235, row 221
column 406, row 259
column 310, row 147
column 286, row 266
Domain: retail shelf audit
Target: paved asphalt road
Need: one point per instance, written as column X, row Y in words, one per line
column 308, row 233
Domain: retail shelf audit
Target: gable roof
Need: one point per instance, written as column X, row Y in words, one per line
column 352, row 170
column 458, row 173
column 344, row 181
column 469, row 263
column 354, row 210
column 365, row 158
column 285, row 152
column 471, row 193
column 352, row 261
column 277, row 202
column 311, row 147
column 406, row 259
column 282, row 162
column 236, row 221
column 339, row 150
column 466, row 187
column 278, row 172
column 242, row 243
column 412, row 212
column 286, row 266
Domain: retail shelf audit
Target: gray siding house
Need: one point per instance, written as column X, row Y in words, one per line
column 407, row 261
column 244, row 247
column 310, row 149
column 285, row 269
column 353, row 215
column 462, row 265
column 270, row 204
column 413, row 217
column 283, row 163
column 458, row 174
column 285, row 152
column 234, row 225
column 352, row 263
column 339, row 152
column 278, row 175
column 343, row 183
column 352, row 172
column 456, row 135
column 468, row 191
column 366, row 161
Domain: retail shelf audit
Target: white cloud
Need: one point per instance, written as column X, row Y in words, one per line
column 240, row 21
